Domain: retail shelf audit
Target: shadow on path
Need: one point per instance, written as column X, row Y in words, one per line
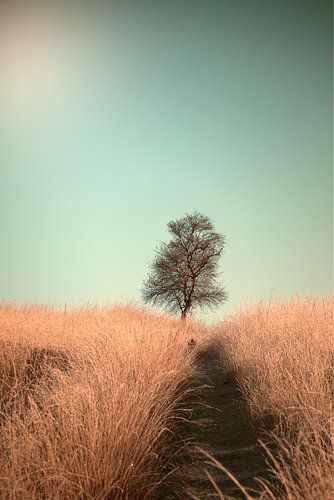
column 220, row 426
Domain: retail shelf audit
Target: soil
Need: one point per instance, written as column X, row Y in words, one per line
column 219, row 425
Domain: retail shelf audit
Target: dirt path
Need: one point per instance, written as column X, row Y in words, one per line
column 220, row 427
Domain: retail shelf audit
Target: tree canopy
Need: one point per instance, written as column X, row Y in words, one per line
column 184, row 272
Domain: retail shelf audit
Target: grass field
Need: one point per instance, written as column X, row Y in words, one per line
column 282, row 355
column 93, row 400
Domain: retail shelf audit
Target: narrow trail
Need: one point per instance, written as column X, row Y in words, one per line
column 220, row 427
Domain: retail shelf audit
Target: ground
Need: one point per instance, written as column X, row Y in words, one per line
column 220, row 426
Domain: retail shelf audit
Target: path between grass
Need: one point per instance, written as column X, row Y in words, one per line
column 221, row 428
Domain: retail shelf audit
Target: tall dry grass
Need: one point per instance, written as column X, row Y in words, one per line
column 282, row 355
column 90, row 401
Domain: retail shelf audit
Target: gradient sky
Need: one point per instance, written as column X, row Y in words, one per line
column 118, row 117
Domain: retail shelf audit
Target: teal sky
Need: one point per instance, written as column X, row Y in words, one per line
column 118, row 118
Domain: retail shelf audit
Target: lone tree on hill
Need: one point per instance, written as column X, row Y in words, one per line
column 184, row 271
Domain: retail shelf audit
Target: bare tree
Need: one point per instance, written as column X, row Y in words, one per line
column 184, row 271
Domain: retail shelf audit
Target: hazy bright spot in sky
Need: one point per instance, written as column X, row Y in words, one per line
column 35, row 70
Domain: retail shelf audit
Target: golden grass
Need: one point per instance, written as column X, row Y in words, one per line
column 90, row 400
column 282, row 355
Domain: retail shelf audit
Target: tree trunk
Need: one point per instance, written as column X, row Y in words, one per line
column 185, row 311
column 183, row 315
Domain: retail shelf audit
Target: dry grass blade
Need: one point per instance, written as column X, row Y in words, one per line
column 221, row 467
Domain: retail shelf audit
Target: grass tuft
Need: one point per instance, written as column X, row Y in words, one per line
column 90, row 401
column 282, row 357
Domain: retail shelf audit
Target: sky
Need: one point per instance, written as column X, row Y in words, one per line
column 117, row 117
